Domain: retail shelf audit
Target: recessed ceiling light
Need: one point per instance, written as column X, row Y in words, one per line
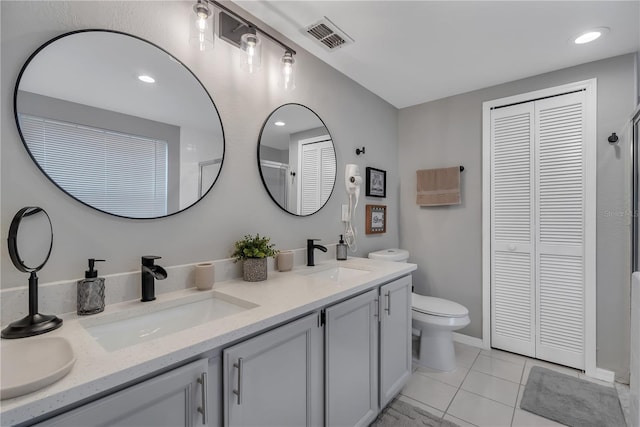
column 146, row 79
column 591, row 35
column 279, row 123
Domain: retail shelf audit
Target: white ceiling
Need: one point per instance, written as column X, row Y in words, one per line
column 410, row 52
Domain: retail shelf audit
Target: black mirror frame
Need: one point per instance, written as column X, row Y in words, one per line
column 34, row 323
column 14, row 254
column 264, row 182
column 15, row 113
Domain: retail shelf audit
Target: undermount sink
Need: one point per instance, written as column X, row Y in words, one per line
column 338, row 274
column 115, row 332
column 30, row 364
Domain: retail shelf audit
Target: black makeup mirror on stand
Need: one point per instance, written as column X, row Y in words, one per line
column 30, row 243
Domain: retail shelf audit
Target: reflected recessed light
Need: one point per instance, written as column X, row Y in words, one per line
column 279, row 123
column 146, row 79
column 591, row 35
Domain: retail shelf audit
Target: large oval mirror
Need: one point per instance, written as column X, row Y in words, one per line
column 119, row 124
column 297, row 159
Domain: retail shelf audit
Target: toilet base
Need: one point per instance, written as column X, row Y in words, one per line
column 436, row 350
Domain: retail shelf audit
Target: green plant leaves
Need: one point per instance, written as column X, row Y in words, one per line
column 254, row 247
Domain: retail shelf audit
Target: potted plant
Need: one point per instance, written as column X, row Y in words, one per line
column 253, row 252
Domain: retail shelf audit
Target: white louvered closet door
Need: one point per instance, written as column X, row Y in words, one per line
column 537, row 229
column 512, row 234
column 317, row 175
column 560, row 191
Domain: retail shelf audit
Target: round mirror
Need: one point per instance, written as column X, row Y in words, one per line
column 297, row 160
column 30, row 231
column 30, row 243
column 119, row 124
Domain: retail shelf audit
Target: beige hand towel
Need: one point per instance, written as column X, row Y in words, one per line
column 437, row 187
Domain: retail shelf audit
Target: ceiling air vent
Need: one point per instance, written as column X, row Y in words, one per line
column 328, row 34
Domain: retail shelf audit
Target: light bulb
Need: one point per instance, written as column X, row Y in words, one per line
column 147, row 79
column 287, row 78
column 252, row 46
column 202, row 29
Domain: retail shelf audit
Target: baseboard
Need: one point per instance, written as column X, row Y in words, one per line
column 604, row 375
column 466, row 339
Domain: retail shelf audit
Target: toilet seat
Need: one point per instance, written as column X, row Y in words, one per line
column 437, row 306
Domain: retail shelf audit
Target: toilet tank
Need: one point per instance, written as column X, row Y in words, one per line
column 395, row 255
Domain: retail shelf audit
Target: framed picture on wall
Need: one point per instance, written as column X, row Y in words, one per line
column 376, row 183
column 376, row 221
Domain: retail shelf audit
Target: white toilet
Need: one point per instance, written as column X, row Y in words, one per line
column 434, row 319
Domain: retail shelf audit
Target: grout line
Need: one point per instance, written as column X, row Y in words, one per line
column 459, row 387
column 524, row 368
column 493, row 400
column 515, row 405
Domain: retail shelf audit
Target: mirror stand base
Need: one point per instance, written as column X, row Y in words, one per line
column 31, row 325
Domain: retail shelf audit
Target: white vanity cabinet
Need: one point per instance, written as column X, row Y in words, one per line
column 275, row 378
column 367, row 353
column 395, row 338
column 175, row 398
column 351, row 361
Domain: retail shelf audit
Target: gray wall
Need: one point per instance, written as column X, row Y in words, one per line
column 238, row 204
column 445, row 242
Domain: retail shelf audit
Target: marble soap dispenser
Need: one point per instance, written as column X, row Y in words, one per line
column 91, row 291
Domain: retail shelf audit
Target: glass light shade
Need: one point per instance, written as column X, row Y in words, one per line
column 251, row 44
column 287, row 76
column 202, row 28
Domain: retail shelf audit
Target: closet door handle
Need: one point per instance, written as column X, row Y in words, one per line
column 238, row 391
column 203, row 409
column 388, row 308
column 511, row 247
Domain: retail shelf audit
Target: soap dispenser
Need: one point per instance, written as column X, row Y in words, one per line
column 341, row 250
column 91, row 291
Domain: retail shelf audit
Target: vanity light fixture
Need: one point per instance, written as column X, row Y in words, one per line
column 591, row 35
column 288, row 76
column 279, row 123
column 251, row 44
column 201, row 32
column 146, row 79
column 247, row 36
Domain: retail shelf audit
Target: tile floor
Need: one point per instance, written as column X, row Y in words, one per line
column 484, row 390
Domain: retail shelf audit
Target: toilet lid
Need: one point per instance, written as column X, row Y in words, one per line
column 437, row 306
column 390, row 255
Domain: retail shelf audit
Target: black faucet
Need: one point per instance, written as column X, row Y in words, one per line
column 310, row 247
column 150, row 272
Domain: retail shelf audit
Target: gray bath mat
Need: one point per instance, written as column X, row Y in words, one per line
column 571, row 401
column 401, row 414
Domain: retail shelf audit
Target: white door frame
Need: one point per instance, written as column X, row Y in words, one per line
column 590, row 214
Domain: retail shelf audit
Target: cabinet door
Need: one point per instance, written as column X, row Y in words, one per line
column 395, row 338
column 275, row 379
column 351, row 354
column 171, row 399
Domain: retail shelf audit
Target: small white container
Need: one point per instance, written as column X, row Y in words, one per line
column 285, row 260
column 205, row 276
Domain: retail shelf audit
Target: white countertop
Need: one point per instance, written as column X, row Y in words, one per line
column 284, row 296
